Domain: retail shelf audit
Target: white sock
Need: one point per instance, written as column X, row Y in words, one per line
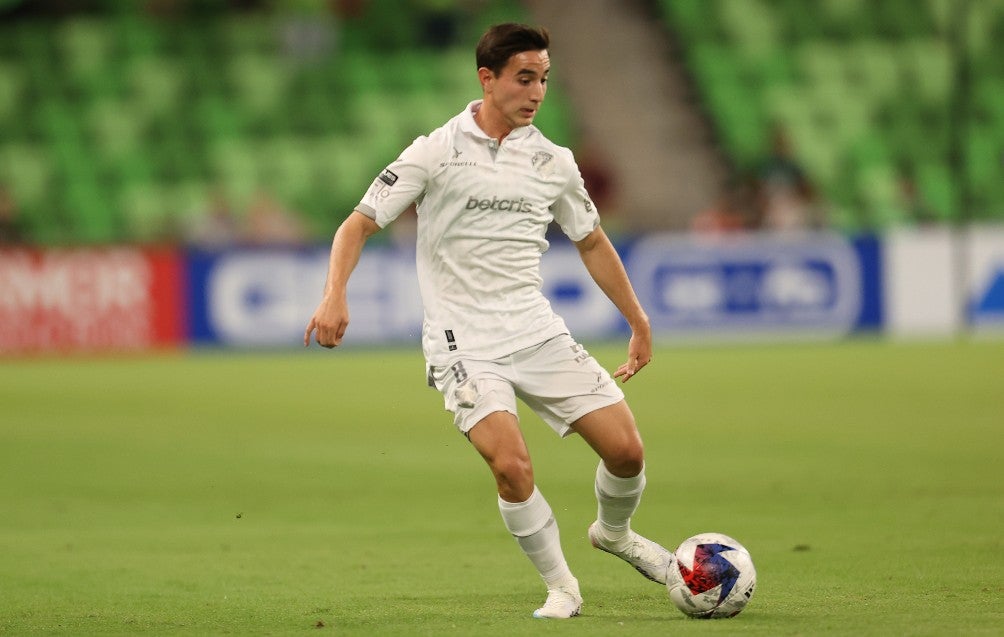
column 533, row 525
column 617, row 499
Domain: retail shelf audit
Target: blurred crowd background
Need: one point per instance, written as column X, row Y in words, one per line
column 219, row 122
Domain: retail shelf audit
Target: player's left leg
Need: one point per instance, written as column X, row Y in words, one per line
column 620, row 482
column 573, row 393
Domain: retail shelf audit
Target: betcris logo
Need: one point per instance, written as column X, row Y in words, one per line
column 755, row 284
column 499, row 205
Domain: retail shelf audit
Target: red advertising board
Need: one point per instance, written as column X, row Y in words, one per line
column 90, row 299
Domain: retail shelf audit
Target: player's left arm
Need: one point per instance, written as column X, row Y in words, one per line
column 607, row 269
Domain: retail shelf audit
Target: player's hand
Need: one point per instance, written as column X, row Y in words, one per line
column 330, row 320
column 639, row 355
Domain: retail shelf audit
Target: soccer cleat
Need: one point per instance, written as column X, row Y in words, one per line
column 648, row 558
column 562, row 602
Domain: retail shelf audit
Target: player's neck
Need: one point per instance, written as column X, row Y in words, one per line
column 495, row 127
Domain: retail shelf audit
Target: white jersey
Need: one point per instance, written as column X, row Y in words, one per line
column 483, row 210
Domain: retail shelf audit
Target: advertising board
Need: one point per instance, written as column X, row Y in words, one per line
column 90, row 299
column 819, row 285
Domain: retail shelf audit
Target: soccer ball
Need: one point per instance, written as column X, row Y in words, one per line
column 713, row 577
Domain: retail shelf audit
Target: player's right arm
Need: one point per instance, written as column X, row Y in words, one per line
column 332, row 315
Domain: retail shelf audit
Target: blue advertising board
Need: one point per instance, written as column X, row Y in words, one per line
column 820, row 285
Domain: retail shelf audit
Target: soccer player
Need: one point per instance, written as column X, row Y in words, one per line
column 487, row 184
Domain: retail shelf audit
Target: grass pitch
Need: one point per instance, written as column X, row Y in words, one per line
column 327, row 493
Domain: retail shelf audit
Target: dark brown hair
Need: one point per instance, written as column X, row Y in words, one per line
column 502, row 41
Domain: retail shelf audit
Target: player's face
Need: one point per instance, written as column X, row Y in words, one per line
column 515, row 95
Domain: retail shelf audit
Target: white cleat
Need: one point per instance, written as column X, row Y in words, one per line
column 648, row 558
column 562, row 602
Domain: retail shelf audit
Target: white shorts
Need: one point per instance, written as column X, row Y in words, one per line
column 557, row 379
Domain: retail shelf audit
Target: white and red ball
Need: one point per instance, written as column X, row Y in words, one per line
column 712, row 577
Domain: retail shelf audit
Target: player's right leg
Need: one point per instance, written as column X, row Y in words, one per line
column 483, row 402
column 526, row 513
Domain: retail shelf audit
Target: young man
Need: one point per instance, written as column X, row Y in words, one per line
column 487, row 185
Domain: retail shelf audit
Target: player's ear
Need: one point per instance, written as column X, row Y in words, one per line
column 485, row 76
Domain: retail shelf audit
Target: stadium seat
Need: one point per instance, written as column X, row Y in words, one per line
column 938, row 189
column 750, row 26
column 111, row 124
column 27, row 171
column 11, row 95
column 862, row 87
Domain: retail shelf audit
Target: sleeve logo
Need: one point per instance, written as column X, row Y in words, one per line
column 388, row 177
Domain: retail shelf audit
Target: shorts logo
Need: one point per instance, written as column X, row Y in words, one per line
column 388, row 177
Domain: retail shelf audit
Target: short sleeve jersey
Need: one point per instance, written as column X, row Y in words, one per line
column 483, row 211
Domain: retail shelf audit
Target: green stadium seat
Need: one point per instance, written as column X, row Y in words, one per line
column 261, row 84
column 12, row 84
column 777, row 69
column 801, row 21
column 823, row 64
column 235, row 166
column 27, row 171
column 116, row 118
column 155, row 85
column 360, row 71
column 985, row 150
column 138, row 36
column 873, row 69
column 376, row 118
column 97, row 218
column 861, row 86
column 384, row 26
column 750, row 25
column 85, row 44
column 988, row 98
column 287, row 166
column 744, row 124
column 455, row 72
column 216, row 118
column 869, row 151
column 846, row 14
column 879, row 191
column 145, row 213
column 938, row 189
column 249, row 34
column 690, row 19
column 185, row 202
column 927, row 65
column 115, row 126
column 343, row 174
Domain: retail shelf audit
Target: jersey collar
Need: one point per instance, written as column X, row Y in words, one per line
column 468, row 125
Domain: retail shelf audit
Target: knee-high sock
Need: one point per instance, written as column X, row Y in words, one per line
column 617, row 499
column 533, row 525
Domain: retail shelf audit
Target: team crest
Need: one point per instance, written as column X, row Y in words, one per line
column 543, row 163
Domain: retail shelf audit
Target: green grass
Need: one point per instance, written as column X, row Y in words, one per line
column 267, row 494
